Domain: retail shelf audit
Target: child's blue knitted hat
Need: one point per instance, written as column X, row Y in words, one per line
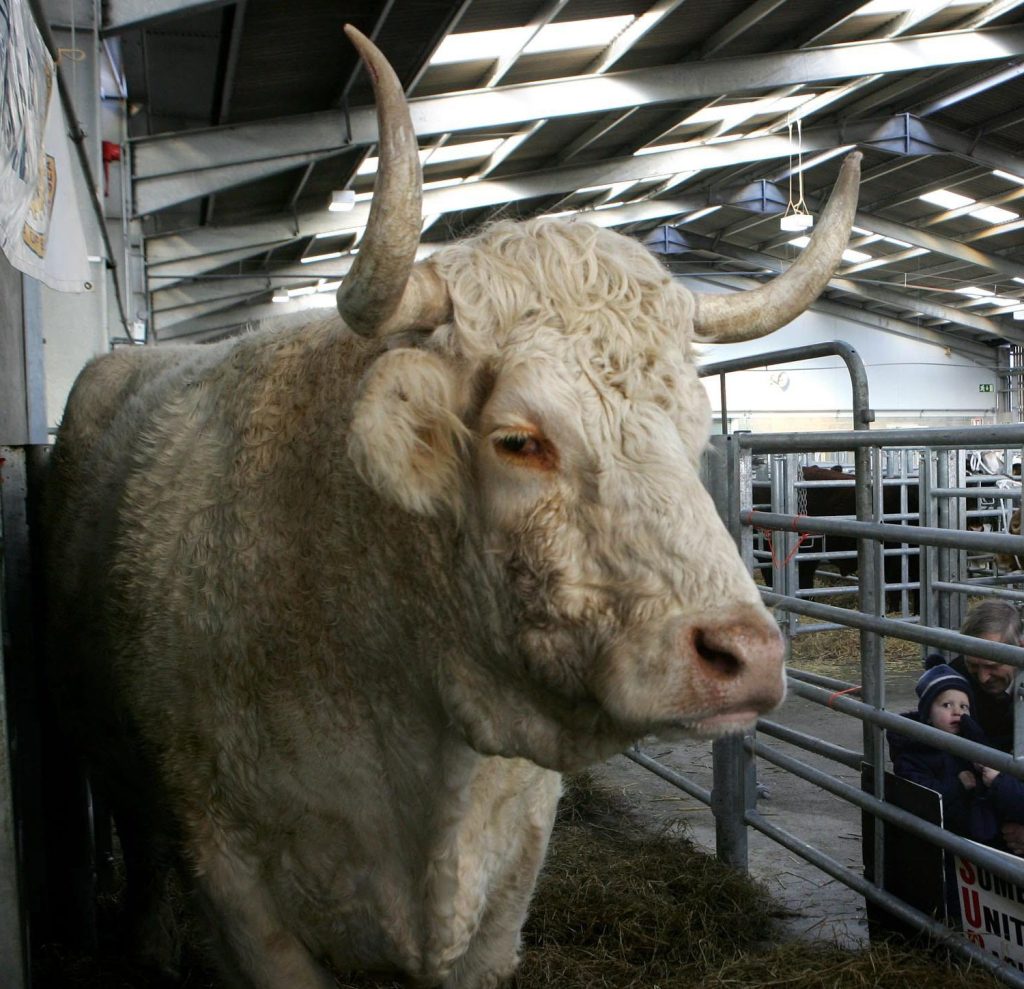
column 934, row 681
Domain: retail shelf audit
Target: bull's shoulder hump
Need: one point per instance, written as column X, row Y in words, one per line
column 106, row 383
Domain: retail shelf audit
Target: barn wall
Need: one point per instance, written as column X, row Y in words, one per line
column 75, row 325
column 911, row 380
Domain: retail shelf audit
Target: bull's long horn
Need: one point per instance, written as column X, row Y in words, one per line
column 736, row 316
column 383, row 292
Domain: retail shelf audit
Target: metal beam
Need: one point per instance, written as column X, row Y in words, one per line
column 230, row 319
column 239, row 318
column 737, row 27
column 174, row 168
column 938, row 137
column 176, row 299
column 200, row 318
column 890, row 324
column 193, row 246
column 939, row 245
column 162, row 322
column 164, row 282
column 121, row 15
column 194, row 253
column 873, row 292
column 903, row 302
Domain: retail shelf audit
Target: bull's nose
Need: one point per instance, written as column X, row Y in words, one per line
column 737, row 660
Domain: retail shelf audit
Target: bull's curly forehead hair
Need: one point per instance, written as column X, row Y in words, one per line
column 571, row 286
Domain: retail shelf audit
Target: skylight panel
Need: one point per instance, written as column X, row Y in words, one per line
column 700, row 214
column 995, row 214
column 654, row 149
column 882, row 261
column 910, row 6
column 446, row 153
column 566, row 35
column 854, row 257
column 985, row 296
column 1016, row 179
column 946, row 199
column 953, row 200
column 733, row 113
column 471, row 46
column 611, row 192
column 474, row 45
column 460, row 152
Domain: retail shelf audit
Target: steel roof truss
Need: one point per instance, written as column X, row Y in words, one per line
column 174, row 168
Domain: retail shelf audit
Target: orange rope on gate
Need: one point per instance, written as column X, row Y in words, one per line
column 767, row 533
column 840, row 693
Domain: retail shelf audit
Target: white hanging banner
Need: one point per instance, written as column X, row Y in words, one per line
column 41, row 230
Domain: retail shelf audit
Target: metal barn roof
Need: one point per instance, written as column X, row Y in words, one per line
column 694, row 126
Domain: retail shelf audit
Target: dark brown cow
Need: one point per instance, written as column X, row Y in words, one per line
column 830, row 501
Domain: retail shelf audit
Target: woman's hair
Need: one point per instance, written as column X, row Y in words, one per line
column 994, row 617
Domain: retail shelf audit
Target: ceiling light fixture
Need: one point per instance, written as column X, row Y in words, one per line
column 796, row 216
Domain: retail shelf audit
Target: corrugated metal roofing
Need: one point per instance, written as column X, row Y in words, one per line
column 217, row 87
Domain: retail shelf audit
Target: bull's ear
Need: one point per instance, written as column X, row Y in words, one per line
column 406, row 438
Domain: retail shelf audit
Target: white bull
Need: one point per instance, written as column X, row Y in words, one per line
column 333, row 616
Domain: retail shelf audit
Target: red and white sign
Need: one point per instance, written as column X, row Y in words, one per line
column 992, row 911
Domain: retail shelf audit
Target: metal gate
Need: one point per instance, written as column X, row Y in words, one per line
column 948, row 572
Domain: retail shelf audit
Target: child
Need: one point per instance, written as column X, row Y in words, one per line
column 945, row 702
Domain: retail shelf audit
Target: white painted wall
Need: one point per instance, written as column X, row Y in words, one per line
column 910, row 380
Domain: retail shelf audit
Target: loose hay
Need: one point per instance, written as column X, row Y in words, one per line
column 836, row 654
column 618, row 907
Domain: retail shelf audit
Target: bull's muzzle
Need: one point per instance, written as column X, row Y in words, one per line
column 736, row 661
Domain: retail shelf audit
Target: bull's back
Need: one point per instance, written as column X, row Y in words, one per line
column 181, row 480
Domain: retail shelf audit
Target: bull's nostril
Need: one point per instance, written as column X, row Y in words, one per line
column 717, row 662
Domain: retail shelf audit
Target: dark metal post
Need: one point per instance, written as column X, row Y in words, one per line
column 733, row 781
column 15, row 623
column 733, row 772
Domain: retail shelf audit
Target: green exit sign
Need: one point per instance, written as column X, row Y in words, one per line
column 985, row 388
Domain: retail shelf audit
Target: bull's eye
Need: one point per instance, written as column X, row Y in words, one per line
column 521, row 443
column 526, row 449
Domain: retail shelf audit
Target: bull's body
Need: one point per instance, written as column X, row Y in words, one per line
column 332, row 617
column 289, row 727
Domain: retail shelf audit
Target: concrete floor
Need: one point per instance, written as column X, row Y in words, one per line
column 817, row 906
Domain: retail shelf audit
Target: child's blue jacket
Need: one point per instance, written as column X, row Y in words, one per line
column 972, row 813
